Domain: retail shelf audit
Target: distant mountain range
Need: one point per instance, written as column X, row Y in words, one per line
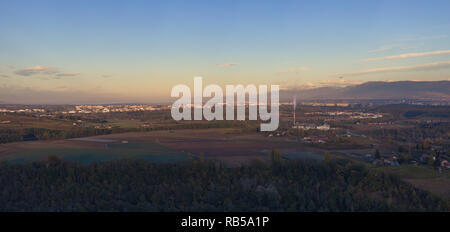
column 420, row 90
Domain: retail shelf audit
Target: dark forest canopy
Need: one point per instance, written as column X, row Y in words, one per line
column 136, row 185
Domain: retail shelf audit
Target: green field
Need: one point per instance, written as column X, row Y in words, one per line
column 127, row 124
column 422, row 177
column 149, row 151
column 413, row 172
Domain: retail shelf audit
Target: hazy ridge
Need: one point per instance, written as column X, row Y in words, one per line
column 426, row 90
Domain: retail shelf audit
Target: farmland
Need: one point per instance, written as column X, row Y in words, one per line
column 399, row 137
column 158, row 146
column 90, row 151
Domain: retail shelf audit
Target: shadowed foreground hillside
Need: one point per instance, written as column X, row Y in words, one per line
column 136, row 185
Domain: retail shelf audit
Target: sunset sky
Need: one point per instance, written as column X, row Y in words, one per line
column 123, row 51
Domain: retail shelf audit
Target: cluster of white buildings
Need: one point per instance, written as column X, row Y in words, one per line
column 26, row 110
column 87, row 109
column 311, row 126
column 366, row 116
column 325, row 104
column 351, row 114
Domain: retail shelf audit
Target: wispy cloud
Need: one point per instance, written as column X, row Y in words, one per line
column 227, row 64
column 50, row 73
column 293, row 70
column 298, row 86
column 420, row 67
column 408, row 55
column 383, row 48
column 340, row 83
column 393, row 46
column 36, row 70
column 407, row 43
column 421, row 37
column 48, row 77
column 67, row 74
column 295, row 84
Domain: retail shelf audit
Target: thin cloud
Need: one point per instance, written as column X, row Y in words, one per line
column 298, row 86
column 227, row 64
column 420, row 38
column 408, row 55
column 421, row 67
column 49, row 78
column 393, row 46
column 36, row 70
column 45, row 73
column 68, row 74
column 383, row 48
column 340, row 82
column 318, row 84
column 405, row 43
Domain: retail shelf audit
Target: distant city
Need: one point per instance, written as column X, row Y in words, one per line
column 107, row 108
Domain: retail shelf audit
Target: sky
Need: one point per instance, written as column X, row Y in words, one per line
column 136, row 51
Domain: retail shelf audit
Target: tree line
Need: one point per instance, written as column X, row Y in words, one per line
column 203, row 185
column 13, row 134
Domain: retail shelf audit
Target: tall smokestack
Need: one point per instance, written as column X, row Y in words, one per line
column 295, row 106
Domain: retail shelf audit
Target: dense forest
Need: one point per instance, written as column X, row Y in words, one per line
column 199, row 185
